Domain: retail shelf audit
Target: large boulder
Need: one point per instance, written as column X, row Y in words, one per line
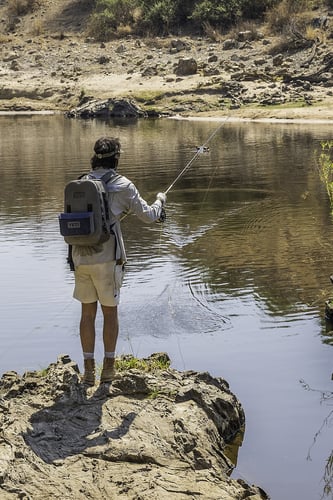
column 153, row 434
column 186, row 66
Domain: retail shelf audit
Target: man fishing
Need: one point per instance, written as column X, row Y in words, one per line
column 99, row 270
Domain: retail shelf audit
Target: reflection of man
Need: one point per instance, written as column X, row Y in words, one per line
column 99, row 274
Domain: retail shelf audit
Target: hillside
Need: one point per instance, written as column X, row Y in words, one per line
column 49, row 63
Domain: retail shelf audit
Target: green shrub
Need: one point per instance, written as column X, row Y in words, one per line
column 217, row 13
column 256, row 9
column 101, row 26
column 108, row 16
column 151, row 17
column 158, row 16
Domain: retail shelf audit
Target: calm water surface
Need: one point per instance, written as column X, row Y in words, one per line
column 233, row 283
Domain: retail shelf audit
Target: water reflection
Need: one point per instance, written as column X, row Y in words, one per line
column 243, row 217
column 234, row 282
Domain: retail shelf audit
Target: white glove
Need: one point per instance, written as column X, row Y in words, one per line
column 162, row 198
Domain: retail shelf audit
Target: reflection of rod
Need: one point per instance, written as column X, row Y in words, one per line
column 199, row 151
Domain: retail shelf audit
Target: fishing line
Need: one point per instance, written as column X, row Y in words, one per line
column 209, row 186
column 200, row 150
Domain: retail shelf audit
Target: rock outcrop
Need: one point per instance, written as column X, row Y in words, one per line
column 107, row 108
column 150, row 435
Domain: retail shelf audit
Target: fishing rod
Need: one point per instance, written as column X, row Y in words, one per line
column 200, row 150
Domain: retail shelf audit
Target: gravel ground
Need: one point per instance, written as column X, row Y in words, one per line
column 53, row 67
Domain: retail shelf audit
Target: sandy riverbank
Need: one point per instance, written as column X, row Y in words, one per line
column 46, row 74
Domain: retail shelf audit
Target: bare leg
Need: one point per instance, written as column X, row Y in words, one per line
column 110, row 328
column 87, row 336
column 87, row 327
column 110, row 335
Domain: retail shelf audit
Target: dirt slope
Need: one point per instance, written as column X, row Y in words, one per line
column 49, row 63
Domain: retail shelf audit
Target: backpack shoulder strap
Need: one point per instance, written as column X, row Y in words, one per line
column 110, row 176
column 83, row 175
column 105, row 178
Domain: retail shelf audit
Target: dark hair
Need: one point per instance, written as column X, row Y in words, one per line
column 107, row 153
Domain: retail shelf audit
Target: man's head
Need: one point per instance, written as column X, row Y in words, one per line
column 107, row 153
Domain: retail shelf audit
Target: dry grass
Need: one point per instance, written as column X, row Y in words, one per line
column 288, row 15
column 319, row 35
column 211, row 32
column 124, row 31
column 22, row 7
column 292, row 21
column 4, row 38
column 37, row 28
column 250, row 26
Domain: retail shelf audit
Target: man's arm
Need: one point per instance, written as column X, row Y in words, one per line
column 139, row 206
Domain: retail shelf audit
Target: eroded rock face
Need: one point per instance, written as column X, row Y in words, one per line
column 150, row 435
column 94, row 108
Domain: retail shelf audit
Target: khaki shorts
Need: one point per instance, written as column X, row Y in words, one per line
column 96, row 282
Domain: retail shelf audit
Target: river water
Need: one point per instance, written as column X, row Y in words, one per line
column 234, row 282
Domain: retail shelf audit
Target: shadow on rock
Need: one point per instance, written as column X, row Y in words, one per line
column 65, row 429
column 150, row 434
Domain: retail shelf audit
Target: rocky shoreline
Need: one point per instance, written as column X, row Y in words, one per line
column 158, row 434
column 246, row 76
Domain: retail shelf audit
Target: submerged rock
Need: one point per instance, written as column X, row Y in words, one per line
column 157, row 434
